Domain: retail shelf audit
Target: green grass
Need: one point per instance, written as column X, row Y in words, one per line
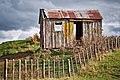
column 17, row 46
column 108, row 69
column 12, row 47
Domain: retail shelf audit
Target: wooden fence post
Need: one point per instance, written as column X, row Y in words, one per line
column 116, row 42
column 72, row 66
column 19, row 74
column 84, row 61
column 96, row 55
column 43, row 72
column 69, row 69
column 54, row 68
column 108, row 45
column 105, row 45
column 13, row 67
column 25, row 69
column 87, row 54
column 99, row 52
column 37, row 68
column 80, row 59
column 31, row 69
column 112, row 43
column 5, row 69
column 91, row 56
column 48, row 68
column 63, row 68
column 58, row 68
column 76, row 62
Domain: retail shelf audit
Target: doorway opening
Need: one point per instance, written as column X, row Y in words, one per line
column 79, row 30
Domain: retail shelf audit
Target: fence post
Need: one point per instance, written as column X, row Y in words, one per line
column 54, row 68
column 43, row 72
column 80, row 59
column 87, row 54
column 96, row 55
column 19, row 69
column 25, row 69
column 63, row 68
column 72, row 66
column 37, row 68
column 58, row 68
column 69, row 70
column 99, row 52
column 112, row 44
column 13, row 67
column 76, row 62
column 84, row 62
column 116, row 42
column 48, row 68
column 109, row 45
column 105, row 45
column 31, row 69
column 91, row 52
column 5, row 69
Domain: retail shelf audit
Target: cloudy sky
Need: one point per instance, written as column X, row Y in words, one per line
column 19, row 18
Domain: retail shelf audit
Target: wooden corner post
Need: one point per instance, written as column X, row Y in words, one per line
column 41, row 16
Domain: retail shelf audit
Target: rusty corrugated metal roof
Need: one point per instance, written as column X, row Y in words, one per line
column 80, row 14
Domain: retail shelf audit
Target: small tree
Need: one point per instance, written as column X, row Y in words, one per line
column 35, row 38
column 29, row 38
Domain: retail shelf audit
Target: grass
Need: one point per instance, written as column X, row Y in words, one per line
column 18, row 46
column 107, row 69
column 13, row 47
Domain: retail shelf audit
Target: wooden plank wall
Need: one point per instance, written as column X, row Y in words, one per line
column 92, row 28
column 50, row 36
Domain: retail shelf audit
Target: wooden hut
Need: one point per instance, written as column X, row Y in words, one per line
column 60, row 27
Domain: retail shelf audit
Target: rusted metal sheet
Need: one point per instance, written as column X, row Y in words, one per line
column 94, row 14
column 80, row 14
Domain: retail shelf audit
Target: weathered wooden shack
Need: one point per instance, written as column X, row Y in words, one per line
column 61, row 27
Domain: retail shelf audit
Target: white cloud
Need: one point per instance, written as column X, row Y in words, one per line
column 111, row 28
column 17, row 34
column 17, row 16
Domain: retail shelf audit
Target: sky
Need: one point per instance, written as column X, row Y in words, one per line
column 19, row 18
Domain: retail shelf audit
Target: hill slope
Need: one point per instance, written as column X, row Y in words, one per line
column 12, row 47
column 108, row 69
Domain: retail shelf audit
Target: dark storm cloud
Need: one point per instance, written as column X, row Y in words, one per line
column 111, row 1
column 20, row 14
column 114, row 29
column 72, row 4
column 18, row 17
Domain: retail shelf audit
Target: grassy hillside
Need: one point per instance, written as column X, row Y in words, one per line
column 22, row 46
column 108, row 69
column 12, row 47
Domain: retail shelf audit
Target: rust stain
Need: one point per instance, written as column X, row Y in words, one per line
column 81, row 14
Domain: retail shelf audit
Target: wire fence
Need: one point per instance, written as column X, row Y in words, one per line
column 40, row 68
